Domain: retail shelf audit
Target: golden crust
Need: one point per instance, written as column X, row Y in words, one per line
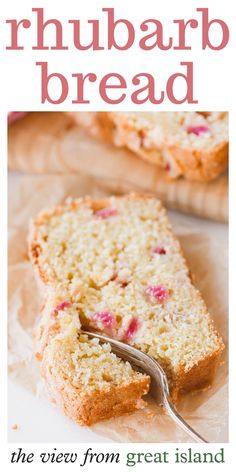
column 197, row 165
column 88, row 408
column 199, row 376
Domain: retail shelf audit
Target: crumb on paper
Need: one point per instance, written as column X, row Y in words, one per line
column 15, row 426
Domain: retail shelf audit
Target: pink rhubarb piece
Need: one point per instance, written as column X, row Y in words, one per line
column 106, row 318
column 131, row 330
column 159, row 250
column 61, row 307
column 197, row 130
column 106, row 213
column 160, row 293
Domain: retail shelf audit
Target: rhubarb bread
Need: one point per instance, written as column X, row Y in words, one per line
column 189, row 144
column 117, row 265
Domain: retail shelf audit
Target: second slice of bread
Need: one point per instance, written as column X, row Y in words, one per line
column 82, row 376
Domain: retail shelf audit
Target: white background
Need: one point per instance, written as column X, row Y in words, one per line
column 20, row 90
column 22, row 79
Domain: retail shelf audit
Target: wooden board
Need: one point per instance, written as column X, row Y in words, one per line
column 52, row 143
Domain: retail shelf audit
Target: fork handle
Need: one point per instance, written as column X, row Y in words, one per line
column 173, row 413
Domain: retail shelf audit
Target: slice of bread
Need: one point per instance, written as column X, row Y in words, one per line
column 189, row 144
column 118, row 264
column 82, row 376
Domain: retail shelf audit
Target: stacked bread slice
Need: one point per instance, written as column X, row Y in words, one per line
column 114, row 265
column 189, row 144
column 84, row 378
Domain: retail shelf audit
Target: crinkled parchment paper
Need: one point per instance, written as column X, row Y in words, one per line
column 205, row 247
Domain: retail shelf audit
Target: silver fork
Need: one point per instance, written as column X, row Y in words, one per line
column 159, row 382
